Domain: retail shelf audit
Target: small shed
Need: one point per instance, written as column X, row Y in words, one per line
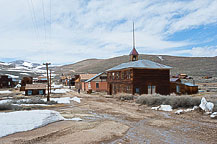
column 177, row 87
column 6, row 82
column 97, row 83
column 35, row 89
column 79, row 82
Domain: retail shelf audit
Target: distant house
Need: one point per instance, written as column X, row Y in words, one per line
column 42, row 79
column 6, row 82
column 80, row 81
column 139, row 77
column 35, row 89
column 177, row 87
column 25, row 81
column 68, row 80
column 97, row 83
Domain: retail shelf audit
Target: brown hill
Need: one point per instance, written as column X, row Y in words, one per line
column 194, row 66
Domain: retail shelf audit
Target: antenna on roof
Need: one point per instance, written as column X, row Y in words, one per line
column 133, row 37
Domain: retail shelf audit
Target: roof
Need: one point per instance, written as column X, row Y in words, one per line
column 99, row 74
column 189, row 84
column 144, row 64
column 86, row 76
column 174, row 79
column 35, row 86
column 134, row 52
column 42, row 78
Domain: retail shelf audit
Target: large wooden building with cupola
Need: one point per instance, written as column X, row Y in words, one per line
column 139, row 76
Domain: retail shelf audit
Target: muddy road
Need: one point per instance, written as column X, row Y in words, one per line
column 110, row 121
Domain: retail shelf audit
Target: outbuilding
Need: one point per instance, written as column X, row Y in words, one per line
column 35, row 89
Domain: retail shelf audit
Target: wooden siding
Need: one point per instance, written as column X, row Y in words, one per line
column 184, row 89
column 128, row 80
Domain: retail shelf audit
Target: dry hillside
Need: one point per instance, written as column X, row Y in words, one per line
column 194, row 66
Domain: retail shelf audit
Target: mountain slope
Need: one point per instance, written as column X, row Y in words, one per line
column 195, row 66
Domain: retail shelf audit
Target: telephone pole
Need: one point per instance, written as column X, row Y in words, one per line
column 48, row 94
column 50, row 81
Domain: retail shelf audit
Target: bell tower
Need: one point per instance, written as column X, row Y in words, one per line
column 134, row 54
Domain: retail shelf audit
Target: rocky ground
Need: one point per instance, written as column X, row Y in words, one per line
column 108, row 120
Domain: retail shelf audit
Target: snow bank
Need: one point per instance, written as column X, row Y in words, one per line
column 206, row 106
column 19, row 121
column 4, row 92
column 213, row 115
column 163, row 108
column 76, row 99
column 56, row 86
column 179, row 112
column 60, row 91
column 75, row 119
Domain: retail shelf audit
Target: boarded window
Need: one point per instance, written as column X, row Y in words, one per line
column 178, row 89
column 97, row 85
column 151, row 89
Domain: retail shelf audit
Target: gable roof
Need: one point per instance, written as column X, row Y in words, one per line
column 134, row 52
column 144, row 64
column 99, row 74
column 35, row 86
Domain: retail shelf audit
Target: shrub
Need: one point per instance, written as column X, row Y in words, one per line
column 8, row 106
column 124, row 96
column 174, row 101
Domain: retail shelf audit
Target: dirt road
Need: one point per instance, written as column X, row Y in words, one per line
column 108, row 120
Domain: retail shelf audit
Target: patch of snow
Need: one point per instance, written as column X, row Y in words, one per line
column 19, row 121
column 31, row 104
column 56, row 86
column 160, row 57
column 27, row 64
column 213, row 115
column 76, row 99
column 163, row 108
column 18, row 86
column 60, row 91
column 12, row 76
column 74, row 119
column 5, row 101
column 206, row 106
column 64, row 100
column 24, row 74
column 5, row 92
column 6, row 64
column 179, row 112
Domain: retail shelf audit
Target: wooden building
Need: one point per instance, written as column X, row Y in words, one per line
column 177, row 87
column 42, row 79
column 35, row 89
column 68, row 80
column 139, row 77
column 80, row 81
column 6, row 82
column 25, row 81
column 98, row 83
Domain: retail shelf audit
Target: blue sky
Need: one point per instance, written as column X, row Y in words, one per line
column 67, row 31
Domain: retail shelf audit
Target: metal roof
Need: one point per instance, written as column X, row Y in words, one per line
column 35, row 86
column 134, row 52
column 189, row 84
column 145, row 64
column 89, row 80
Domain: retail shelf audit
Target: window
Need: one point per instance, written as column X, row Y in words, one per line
column 128, row 74
column 117, row 75
column 137, row 90
column 29, row 92
column 113, row 75
column 122, row 74
column 41, row 92
column 97, row 85
column 178, row 89
column 151, row 89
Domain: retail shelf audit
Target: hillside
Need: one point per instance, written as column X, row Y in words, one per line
column 194, row 66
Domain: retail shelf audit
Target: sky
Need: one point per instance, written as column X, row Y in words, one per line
column 67, row 31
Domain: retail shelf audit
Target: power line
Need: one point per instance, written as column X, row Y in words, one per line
column 33, row 22
column 45, row 35
column 34, row 16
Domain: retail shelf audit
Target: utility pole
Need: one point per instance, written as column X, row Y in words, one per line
column 50, row 81
column 48, row 94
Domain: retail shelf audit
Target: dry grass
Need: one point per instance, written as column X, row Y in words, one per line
column 8, row 106
column 124, row 96
column 174, row 101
